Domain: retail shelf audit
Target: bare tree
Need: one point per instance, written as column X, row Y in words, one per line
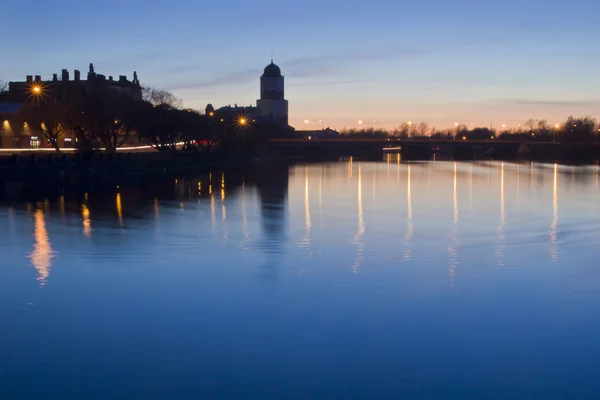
column 105, row 119
column 403, row 131
column 159, row 97
column 422, row 129
column 3, row 90
column 531, row 124
column 46, row 117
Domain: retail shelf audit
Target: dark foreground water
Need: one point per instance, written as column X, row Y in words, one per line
column 345, row 280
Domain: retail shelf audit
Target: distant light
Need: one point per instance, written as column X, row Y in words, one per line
column 503, row 125
column 410, row 122
column 556, row 126
column 456, row 124
column 242, row 121
column 360, row 122
column 464, row 138
column 306, row 121
column 36, row 89
column 310, row 138
column 211, row 113
column 221, row 119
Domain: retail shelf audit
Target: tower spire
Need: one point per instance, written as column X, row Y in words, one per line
column 271, row 56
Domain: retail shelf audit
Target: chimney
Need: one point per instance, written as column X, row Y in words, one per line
column 65, row 75
column 54, row 77
column 122, row 78
column 110, row 78
column 29, row 78
column 77, row 75
column 38, row 78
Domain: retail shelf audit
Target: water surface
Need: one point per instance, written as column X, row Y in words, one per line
column 434, row 280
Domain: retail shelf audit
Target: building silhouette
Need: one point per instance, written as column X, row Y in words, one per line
column 271, row 107
column 67, row 89
column 18, row 134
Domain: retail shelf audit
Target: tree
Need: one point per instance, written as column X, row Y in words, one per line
column 531, row 125
column 403, row 131
column 3, row 89
column 159, row 97
column 171, row 129
column 105, row 118
column 422, row 129
column 159, row 126
column 579, row 130
column 48, row 117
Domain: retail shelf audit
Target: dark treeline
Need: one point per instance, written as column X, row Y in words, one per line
column 106, row 119
column 573, row 130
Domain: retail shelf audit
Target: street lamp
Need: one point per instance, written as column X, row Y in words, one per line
column 242, row 121
column 36, row 89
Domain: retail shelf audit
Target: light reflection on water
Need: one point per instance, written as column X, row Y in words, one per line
column 41, row 256
column 453, row 275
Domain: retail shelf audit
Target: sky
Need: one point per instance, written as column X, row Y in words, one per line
column 439, row 61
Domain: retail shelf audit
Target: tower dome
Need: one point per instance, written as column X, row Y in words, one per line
column 272, row 71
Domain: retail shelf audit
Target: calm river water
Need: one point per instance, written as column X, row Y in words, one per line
column 433, row 280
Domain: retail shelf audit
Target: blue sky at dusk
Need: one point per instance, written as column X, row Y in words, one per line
column 439, row 61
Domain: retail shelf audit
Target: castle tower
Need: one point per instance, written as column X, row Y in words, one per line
column 272, row 104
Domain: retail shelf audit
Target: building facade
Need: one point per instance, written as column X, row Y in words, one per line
column 15, row 133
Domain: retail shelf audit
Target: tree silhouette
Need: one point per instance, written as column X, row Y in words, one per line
column 579, row 130
column 159, row 97
column 48, row 117
column 104, row 118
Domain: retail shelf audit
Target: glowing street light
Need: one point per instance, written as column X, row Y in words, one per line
column 360, row 122
column 211, row 114
column 36, row 89
column 306, row 121
column 242, row 121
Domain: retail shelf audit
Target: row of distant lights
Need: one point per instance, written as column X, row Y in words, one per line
column 456, row 124
column 36, row 89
